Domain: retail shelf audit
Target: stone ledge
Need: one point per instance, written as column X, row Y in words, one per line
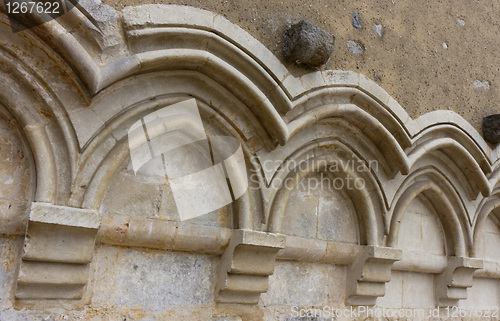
column 246, row 266
column 452, row 283
column 369, row 273
column 60, row 215
column 58, row 247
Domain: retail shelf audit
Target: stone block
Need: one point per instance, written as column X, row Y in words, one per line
column 491, row 128
column 153, row 280
column 337, row 218
column 418, row 290
column 307, row 45
column 304, row 284
column 393, row 297
column 54, row 243
column 10, row 255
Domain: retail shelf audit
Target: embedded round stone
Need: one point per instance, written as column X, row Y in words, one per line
column 307, row 45
column 491, row 128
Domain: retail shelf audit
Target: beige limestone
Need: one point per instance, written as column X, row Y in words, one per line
column 279, row 245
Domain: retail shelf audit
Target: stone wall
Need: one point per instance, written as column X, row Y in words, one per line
column 351, row 203
column 431, row 55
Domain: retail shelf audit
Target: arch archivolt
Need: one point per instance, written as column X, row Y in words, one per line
column 76, row 120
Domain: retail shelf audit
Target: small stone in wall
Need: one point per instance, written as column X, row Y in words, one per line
column 355, row 20
column 307, row 45
column 481, row 84
column 460, row 22
column 354, row 47
column 491, row 128
column 378, row 29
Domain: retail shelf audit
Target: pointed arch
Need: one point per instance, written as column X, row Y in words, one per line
column 313, row 157
column 430, row 183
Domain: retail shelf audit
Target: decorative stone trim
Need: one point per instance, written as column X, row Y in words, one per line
column 58, row 248
column 369, row 273
column 246, row 266
column 180, row 52
column 452, row 283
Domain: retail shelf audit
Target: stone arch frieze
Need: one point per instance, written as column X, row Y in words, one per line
column 112, row 69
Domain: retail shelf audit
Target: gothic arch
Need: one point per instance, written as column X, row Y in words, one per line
column 75, row 121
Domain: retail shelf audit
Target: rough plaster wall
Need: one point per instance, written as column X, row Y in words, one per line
column 432, row 54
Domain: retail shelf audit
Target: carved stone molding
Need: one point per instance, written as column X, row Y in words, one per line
column 58, row 248
column 76, row 117
column 246, row 266
column 452, row 283
column 369, row 273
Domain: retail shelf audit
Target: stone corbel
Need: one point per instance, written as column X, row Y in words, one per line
column 369, row 273
column 58, row 248
column 452, row 283
column 246, row 265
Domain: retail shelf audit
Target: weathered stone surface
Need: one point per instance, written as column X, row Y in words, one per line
column 307, row 45
column 491, row 128
column 10, row 254
column 58, row 247
column 152, row 280
column 246, row 266
column 355, row 47
column 151, row 266
column 369, row 273
column 453, row 282
column 356, row 23
column 295, row 283
column 421, row 230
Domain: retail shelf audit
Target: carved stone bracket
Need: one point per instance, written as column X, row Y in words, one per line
column 452, row 283
column 246, row 266
column 58, row 248
column 368, row 274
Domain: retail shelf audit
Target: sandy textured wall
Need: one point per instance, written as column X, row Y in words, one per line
column 432, row 54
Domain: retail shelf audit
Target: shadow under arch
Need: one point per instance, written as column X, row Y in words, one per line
column 367, row 206
column 489, row 206
column 97, row 179
column 430, row 184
